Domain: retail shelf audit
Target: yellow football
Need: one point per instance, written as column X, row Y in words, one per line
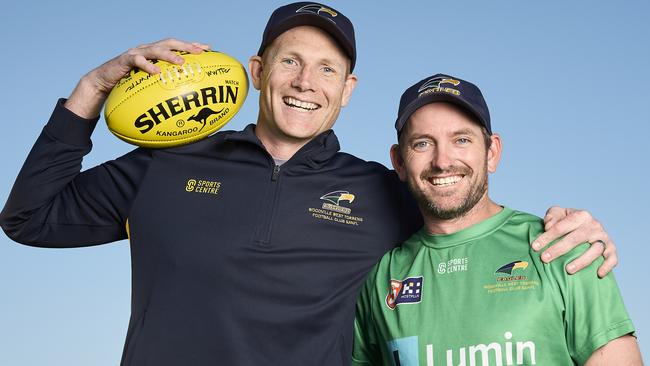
column 182, row 104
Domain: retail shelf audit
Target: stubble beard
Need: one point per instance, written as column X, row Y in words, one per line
column 432, row 209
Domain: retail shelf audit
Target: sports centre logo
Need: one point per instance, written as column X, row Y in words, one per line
column 202, row 186
column 408, row 291
column 435, row 85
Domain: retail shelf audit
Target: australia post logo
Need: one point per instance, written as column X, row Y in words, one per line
column 439, row 84
column 408, row 291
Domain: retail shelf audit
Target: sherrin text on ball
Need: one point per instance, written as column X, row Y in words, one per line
column 181, row 104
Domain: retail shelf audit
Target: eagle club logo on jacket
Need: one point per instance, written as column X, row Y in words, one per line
column 408, row 291
column 333, row 201
column 334, row 208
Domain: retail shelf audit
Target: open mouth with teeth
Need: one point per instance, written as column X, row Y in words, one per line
column 299, row 104
column 445, row 181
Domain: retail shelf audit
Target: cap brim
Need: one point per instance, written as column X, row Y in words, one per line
column 313, row 20
column 432, row 98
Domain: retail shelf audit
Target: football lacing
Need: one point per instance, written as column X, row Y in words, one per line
column 185, row 67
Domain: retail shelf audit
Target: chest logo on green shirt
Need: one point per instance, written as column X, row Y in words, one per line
column 407, row 291
column 510, row 267
column 512, row 276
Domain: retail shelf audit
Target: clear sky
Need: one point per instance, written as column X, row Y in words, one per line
column 566, row 82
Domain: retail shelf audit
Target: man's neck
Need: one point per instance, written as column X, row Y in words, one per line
column 281, row 148
column 483, row 210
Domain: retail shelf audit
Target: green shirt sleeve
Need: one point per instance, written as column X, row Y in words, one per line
column 365, row 350
column 594, row 313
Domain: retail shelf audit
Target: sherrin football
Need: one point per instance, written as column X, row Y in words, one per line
column 181, row 104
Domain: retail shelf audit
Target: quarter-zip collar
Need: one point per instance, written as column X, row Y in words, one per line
column 317, row 151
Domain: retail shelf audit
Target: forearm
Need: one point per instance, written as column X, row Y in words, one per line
column 87, row 98
column 53, row 162
column 623, row 351
column 53, row 204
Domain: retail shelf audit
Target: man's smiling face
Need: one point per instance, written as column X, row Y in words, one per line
column 304, row 81
column 444, row 158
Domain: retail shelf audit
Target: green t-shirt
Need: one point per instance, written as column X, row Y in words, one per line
column 481, row 296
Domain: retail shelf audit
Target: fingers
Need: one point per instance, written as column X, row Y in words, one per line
column 563, row 222
column 202, row 46
column 596, row 250
column 562, row 246
column 611, row 259
column 576, row 227
column 94, row 87
column 161, row 50
column 107, row 75
column 554, row 214
column 142, row 63
column 178, row 45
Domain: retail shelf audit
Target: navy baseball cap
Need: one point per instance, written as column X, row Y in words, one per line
column 443, row 88
column 314, row 14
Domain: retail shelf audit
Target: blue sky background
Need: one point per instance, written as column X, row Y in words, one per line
column 566, row 82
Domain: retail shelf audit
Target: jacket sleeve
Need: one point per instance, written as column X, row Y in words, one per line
column 53, row 204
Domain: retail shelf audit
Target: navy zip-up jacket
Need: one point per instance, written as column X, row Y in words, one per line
column 235, row 261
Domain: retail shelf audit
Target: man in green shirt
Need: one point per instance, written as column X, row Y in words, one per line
column 467, row 289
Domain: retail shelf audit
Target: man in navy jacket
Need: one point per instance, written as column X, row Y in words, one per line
column 248, row 247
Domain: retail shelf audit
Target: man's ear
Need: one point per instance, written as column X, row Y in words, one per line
column 398, row 162
column 494, row 153
column 350, row 83
column 256, row 67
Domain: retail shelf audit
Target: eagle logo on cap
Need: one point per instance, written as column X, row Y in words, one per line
column 436, row 82
column 316, row 9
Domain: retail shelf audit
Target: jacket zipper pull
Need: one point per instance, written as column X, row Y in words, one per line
column 276, row 173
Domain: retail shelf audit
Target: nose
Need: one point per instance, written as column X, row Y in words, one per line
column 442, row 158
column 303, row 80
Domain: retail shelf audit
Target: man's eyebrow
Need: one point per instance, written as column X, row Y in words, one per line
column 292, row 52
column 464, row 131
column 331, row 61
column 420, row 136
